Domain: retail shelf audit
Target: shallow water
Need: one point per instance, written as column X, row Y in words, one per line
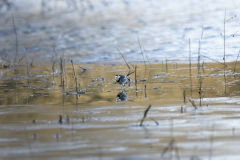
column 94, row 125
column 101, row 128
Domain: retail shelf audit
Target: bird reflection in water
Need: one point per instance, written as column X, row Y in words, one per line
column 121, row 96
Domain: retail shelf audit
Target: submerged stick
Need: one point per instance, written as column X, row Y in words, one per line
column 145, row 114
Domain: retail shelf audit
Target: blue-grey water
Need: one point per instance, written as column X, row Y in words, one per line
column 91, row 31
column 95, row 126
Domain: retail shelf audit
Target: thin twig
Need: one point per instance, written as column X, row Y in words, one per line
column 199, row 51
column 142, row 54
column 224, row 53
column 74, row 75
column 84, row 70
column 76, row 84
column 166, row 66
column 61, row 70
column 211, row 59
column 147, row 57
column 145, row 71
column 199, row 71
column 203, row 67
column 130, row 73
column 162, row 66
column 16, row 39
column 236, row 63
column 124, row 59
column 190, row 67
column 135, row 68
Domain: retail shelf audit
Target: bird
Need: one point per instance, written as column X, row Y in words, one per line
column 121, row 96
column 123, row 79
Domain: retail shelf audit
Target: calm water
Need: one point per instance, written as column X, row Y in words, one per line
column 91, row 31
column 94, row 125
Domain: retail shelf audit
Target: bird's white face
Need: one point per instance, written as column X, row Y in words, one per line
column 117, row 77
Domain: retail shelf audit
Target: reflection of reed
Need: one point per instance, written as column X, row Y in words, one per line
column 145, row 114
column 172, row 146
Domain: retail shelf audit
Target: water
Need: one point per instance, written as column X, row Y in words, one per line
column 94, row 125
column 91, row 31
